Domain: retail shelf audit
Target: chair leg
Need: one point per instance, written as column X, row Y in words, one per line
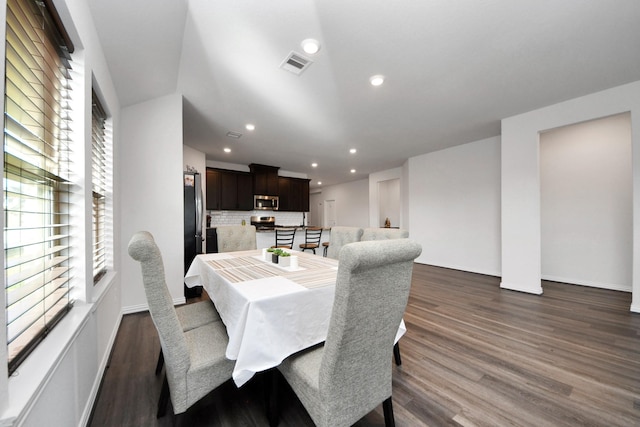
column 396, row 354
column 164, row 398
column 180, row 420
column 160, row 362
column 272, row 398
column 387, row 407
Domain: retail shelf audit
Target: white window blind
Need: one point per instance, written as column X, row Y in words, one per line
column 99, row 187
column 37, row 164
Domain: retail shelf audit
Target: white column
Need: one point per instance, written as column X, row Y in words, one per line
column 521, row 181
column 521, row 262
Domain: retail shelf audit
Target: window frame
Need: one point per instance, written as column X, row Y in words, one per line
column 100, row 182
column 37, row 151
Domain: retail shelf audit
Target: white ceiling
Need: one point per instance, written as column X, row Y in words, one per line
column 453, row 70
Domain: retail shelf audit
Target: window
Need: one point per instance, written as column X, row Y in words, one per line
column 99, row 187
column 37, row 162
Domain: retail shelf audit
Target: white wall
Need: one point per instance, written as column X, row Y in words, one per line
column 152, row 192
column 352, row 202
column 316, row 211
column 521, row 246
column 586, row 204
column 195, row 159
column 454, row 206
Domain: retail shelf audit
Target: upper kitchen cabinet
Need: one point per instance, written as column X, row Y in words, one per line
column 236, row 191
column 294, row 194
column 231, row 190
column 265, row 179
column 213, row 189
column 284, row 202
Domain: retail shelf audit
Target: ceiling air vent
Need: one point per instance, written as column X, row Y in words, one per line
column 295, row 63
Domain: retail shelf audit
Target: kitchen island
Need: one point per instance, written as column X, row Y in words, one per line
column 267, row 238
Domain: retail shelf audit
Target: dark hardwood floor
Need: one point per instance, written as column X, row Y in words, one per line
column 473, row 355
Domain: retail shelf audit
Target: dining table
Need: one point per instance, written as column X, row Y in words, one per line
column 270, row 311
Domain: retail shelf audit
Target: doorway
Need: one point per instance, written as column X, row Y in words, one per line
column 586, row 203
column 389, row 202
column 330, row 219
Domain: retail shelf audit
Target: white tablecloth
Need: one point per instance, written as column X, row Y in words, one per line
column 270, row 312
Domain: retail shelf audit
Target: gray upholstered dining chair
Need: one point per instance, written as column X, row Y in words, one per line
column 195, row 360
column 233, row 238
column 192, row 316
column 350, row 375
column 385, row 234
column 341, row 236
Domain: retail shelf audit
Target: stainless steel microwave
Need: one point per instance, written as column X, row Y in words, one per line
column 269, row 203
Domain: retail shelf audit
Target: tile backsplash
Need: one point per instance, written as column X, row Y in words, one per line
column 236, row 217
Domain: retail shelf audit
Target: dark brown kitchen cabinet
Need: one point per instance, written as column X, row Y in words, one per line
column 212, row 241
column 265, row 179
column 236, row 191
column 284, row 202
column 294, row 194
column 304, row 188
column 229, row 190
column 213, row 190
column 245, row 191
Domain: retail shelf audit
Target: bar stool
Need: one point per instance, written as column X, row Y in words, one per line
column 312, row 237
column 284, row 238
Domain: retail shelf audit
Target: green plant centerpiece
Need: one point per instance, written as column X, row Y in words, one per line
column 277, row 253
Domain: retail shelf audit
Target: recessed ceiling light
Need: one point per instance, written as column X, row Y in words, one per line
column 353, row 171
column 227, row 150
column 310, row 46
column 314, row 165
column 319, row 182
column 376, row 80
column 353, row 151
column 250, row 126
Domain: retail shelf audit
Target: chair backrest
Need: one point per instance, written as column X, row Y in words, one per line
column 285, row 237
column 233, row 238
column 313, row 235
column 341, row 236
column 143, row 248
column 384, row 234
column 371, row 295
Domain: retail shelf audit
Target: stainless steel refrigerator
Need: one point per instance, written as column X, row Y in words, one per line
column 193, row 214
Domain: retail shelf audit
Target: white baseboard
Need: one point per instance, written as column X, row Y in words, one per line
column 145, row 307
column 601, row 285
column 135, row 308
column 535, row 290
column 464, row 268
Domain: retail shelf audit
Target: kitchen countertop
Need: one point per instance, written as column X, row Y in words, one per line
column 297, row 227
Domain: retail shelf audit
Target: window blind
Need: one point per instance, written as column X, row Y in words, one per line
column 99, row 187
column 37, row 167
